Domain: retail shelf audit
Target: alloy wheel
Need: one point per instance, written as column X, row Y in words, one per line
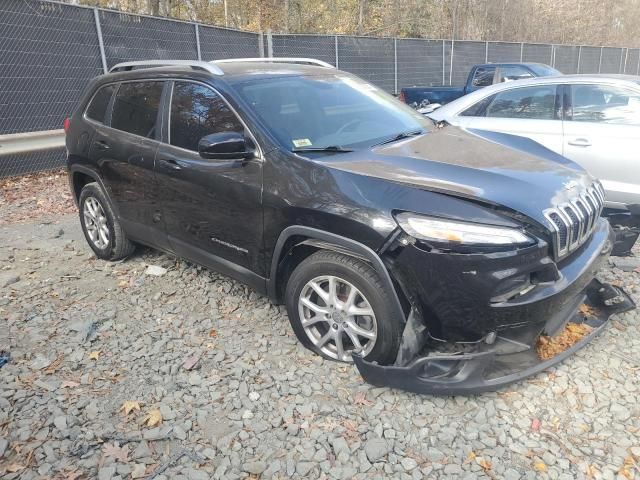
column 95, row 222
column 337, row 317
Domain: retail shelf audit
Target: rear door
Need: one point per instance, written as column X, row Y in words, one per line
column 124, row 148
column 602, row 134
column 531, row 111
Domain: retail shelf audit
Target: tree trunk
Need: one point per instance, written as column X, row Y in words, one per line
column 154, row 7
column 362, row 4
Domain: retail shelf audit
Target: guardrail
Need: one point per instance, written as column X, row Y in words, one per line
column 16, row 143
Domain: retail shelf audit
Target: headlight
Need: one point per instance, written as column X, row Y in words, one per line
column 449, row 231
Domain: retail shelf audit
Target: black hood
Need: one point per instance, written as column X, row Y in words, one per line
column 471, row 165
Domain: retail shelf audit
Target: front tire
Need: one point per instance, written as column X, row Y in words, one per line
column 101, row 228
column 337, row 305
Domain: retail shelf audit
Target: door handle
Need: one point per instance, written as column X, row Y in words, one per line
column 101, row 145
column 580, row 142
column 170, row 164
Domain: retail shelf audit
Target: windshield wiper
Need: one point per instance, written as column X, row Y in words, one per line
column 400, row 136
column 330, row 148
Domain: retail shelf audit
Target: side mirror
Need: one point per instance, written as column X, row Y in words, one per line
column 225, row 146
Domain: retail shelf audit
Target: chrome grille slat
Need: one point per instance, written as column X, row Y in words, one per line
column 573, row 222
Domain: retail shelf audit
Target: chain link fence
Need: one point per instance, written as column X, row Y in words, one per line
column 49, row 51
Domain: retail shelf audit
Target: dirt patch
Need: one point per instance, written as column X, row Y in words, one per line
column 35, row 197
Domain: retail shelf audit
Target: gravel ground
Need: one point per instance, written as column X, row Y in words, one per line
column 239, row 398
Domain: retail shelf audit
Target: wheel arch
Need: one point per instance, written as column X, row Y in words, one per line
column 80, row 175
column 297, row 242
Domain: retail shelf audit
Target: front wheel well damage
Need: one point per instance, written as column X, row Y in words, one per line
column 297, row 248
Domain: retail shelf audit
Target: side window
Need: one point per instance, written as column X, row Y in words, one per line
column 197, row 111
column 483, row 76
column 529, row 103
column 97, row 108
column 478, row 109
column 135, row 109
column 605, row 104
column 509, row 74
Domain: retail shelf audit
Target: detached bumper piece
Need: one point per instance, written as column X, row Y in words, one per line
column 498, row 360
column 626, row 227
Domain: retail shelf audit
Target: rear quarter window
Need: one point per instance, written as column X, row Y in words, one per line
column 97, row 108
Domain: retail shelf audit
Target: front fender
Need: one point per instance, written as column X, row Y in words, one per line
column 343, row 244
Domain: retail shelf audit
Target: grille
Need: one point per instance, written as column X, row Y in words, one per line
column 573, row 222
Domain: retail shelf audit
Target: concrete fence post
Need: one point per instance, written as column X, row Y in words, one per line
column 600, row 61
column 269, row 44
column 521, row 51
column 453, row 43
column 579, row 58
column 261, row 44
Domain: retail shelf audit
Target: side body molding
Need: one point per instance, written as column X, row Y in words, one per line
column 342, row 244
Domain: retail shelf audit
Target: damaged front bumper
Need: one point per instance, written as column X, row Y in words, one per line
column 494, row 362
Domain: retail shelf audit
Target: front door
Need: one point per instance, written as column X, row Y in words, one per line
column 602, row 134
column 212, row 208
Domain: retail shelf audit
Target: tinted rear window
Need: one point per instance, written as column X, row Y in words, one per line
column 135, row 109
column 97, row 108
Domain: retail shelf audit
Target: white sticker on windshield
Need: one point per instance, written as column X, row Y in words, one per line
column 301, row 142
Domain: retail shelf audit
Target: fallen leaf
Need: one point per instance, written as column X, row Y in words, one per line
column 213, row 333
column 73, row 475
column 359, row 398
column 626, row 470
column 592, row 471
column 153, row 418
column 535, row 425
column 484, row 464
column 540, row 467
column 123, row 283
column 15, row 467
column 471, row 457
column 587, row 310
column 94, row 355
column 549, row 347
column 351, row 426
column 116, row 452
column 129, row 406
column 70, row 384
column 53, row 366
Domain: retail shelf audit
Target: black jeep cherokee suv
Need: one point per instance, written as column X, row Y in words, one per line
column 431, row 256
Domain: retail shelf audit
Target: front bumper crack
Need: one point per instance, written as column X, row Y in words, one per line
column 487, row 367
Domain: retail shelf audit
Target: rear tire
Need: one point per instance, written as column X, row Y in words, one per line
column 357, row 317
column 101, row 228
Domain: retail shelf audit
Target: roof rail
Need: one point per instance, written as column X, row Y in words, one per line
column 206, row 66
column 310, row 61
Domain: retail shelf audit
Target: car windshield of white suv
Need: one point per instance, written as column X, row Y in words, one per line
column 330, row 112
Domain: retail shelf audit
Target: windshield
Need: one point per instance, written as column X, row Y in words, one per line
column 317, row 112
